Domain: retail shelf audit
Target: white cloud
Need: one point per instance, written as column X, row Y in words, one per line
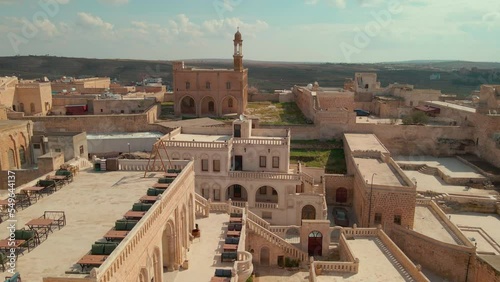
column 311, row 2
column 114, row 2
column 335, row 3
column 90, row 21
column 62, row 2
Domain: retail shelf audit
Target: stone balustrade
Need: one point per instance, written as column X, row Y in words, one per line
column 259, row 141
column 258, row 220
column 197, row 144
column 367, row 232
column 266, row 205
column 264, row 175
column 147, row 165
column 243, row 266
column 277, row 241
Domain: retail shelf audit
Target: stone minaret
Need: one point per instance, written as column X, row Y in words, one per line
column 238, row 51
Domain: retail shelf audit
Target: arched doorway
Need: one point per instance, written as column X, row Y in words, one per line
column 292, row 236
column 21, row 107
column 264, row 256
column 208, row 106
column 143, row 276
column 266, row 194
column 22, row 155
column 236, row 192
column 157, row 269
column 169, row 246
column 341, row 195
column 188, row 106
column 32, row 108
column 315, row 244
column 229, row 105
column 308, row 212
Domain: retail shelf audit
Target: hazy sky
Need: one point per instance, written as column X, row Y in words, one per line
column 291, row 30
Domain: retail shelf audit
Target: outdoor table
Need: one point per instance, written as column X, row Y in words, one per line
column 230, row 247
column 4, row 244
column 235, row 220
column 233, row 233
column 134, row 214
column 116, row 234
column 91, row 260
column 148, row 199
column 161, row 185
column 42, row 225
column 35, row 189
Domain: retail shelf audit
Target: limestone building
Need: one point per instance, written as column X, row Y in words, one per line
column 15, row 151
column 211, row 92
column 30, row 97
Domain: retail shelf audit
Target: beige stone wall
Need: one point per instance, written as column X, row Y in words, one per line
column 12, row 138
column 485, row 272
column 106, row 107
column 98, row 124
column 216, row 93
column 330, row 101
column 447, row 260
column 336, row 181
column 8, row 91
column 34, row 98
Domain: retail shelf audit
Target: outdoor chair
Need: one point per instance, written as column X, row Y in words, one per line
column 165, row 180
column 67, row 173
column 232, row 240
column 154, row 191
column 125, row 225
column 141, row 207
column 236, row 215
column 14, row 278
column 219, row 272
column 103, row 248
column 228, row 256
column 31, row 238
column 234, row 226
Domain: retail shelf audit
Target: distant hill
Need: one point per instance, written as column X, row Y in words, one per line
column 443, row 75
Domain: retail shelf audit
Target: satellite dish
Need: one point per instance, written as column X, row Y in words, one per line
column 242, row 117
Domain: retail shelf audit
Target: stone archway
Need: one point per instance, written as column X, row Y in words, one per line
column 341, row 195
column 266, row 194
column 236, row 192
column 169, row 246
column 188, row 106
column 264, row 256
column 308, row 212
column 12, row 159
column 229, row 105
column 157, row 267
column 315, row 244
column 208, row 106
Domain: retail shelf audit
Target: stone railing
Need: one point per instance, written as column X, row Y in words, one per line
column 346, row 253
column 134, row 243
column 307, row 178
column 240, row 204
column 143, row 165
column 414, row 271
column 266, row 205
column 197, row 144
column 264, row 175
column 422, row 202
column 363, row 232
column 258, row 220
column 243, row 266
column 258, row 141
column 451, row 226
column 218, row 207
column 202, row 205
column 277, row 241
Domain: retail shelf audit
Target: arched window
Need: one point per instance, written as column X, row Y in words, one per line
column 188, row 85
column 211, row 106
column 228, row 85
column 12, row 159
column 207, row 85
column 21, row 107
column 32, row 108
column 230, row 102
column 22, row 155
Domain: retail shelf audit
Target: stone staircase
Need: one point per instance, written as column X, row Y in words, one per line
column 406, row 276
column 275, row 240
column 428, row 170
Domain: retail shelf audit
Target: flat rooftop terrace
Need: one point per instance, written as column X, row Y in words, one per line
column 485, row 225
column 385, row 175
column 453, row 106
column 199, row 138
column 364, row 142
column 427, row 223
column 449, row 166
column 376, row 263
column 204, row 253
column 92, row 203
column 124, row 135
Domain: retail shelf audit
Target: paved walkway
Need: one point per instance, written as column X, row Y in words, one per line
column 204, row 253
